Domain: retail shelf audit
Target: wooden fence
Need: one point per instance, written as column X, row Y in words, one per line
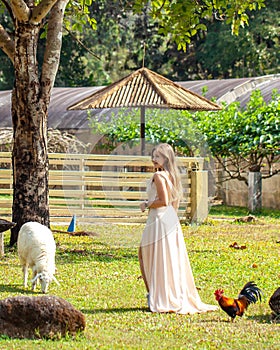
column 107, row 188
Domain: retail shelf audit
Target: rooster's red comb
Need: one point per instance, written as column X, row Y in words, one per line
column 219, row 292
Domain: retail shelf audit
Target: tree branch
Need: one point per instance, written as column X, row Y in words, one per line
column 41, row 11
column 82, row 44
column 53, row 46
column 20, row 10
column 231, row 174
column 276, row 171
column 6, row 43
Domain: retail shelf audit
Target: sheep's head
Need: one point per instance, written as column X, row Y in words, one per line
column 44, row 279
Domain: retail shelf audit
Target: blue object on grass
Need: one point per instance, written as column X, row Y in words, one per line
column 72, row 226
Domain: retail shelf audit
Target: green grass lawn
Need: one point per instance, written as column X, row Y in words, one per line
column 99, row 274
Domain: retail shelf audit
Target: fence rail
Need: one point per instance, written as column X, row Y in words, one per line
column 106, row 188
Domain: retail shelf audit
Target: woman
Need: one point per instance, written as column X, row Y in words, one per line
column 163, row 258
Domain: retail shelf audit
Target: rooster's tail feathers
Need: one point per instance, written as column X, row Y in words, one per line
column 252, row 292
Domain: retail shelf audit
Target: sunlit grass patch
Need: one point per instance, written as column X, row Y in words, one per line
column 99, row 274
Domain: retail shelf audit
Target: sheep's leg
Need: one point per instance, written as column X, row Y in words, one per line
column 25, row 275
column 34, row 286
column 34, row 283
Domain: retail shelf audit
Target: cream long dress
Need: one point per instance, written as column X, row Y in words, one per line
column 165, row 261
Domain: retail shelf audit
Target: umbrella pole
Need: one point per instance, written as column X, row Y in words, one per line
column 142, row 130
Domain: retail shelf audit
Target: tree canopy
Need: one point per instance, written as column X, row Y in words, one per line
column 182, row 20
column 116, row 46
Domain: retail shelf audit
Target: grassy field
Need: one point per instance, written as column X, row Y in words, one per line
column 99, row 274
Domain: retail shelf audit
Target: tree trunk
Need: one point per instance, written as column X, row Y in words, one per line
column 254, row 191
column 29, row 114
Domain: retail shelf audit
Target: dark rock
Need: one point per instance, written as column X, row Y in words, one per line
column 39, row 317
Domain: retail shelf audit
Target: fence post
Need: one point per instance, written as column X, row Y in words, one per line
column 199, row 196
column 82, row 179
column 254, row 191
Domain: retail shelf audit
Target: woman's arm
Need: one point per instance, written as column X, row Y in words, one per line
column 162, row 194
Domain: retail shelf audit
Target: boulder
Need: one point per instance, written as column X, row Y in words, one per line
column 39, row 317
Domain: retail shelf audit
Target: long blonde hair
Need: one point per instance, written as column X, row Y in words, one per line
column 170, row 165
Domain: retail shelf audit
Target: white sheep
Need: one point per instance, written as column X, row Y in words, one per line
column 36, row 249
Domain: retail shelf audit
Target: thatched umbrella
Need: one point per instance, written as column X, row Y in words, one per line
column 145, row 88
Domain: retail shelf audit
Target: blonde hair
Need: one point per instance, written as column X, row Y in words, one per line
column 170, row 165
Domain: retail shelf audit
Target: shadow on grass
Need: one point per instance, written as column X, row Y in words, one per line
column 229, row 211
column 15, row 288
column 202, row 251
column 67, row 255
column 114, row 310
column 264, row 318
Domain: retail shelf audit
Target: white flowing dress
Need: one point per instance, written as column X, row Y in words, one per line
column 165, row 261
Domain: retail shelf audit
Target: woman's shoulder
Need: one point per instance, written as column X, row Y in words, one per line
column 161, row 175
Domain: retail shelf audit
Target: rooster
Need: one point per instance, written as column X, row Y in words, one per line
column 236, row 307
